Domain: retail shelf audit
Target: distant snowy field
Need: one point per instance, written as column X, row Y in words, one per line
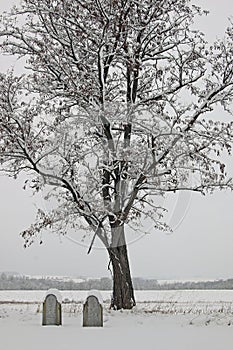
column 177, row 320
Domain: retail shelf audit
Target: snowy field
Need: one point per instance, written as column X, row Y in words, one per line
column 174, row 320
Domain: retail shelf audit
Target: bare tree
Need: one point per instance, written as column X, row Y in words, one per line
column 113, row 111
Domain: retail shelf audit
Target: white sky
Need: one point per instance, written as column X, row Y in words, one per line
column 200, row 247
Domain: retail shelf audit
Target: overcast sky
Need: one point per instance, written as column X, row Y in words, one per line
column 201, row 245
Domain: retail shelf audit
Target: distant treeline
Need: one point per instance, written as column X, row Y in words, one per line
column 151, row 284
column 29, row 283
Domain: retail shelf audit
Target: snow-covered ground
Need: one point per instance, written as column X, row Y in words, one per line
column 174, row 320
column 141, row 295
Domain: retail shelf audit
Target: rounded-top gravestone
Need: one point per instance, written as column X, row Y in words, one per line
column 52, row 308
column 93, row 310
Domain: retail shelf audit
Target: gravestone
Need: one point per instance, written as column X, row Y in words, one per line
column 93, row 310
column 52, row 308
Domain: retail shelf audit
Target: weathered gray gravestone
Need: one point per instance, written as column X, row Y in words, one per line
column 93, row 311
column 52, row 309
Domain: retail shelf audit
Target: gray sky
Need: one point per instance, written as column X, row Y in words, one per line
column 201, row 245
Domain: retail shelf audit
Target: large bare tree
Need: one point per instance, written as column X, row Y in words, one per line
column 113, row 111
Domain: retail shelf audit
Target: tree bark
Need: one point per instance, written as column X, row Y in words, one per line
column 123, row 293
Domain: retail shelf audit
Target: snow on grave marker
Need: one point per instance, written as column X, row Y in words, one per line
column 52, row 308
column 93, row 310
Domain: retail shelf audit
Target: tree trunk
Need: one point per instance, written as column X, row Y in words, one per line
column 123, row 293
